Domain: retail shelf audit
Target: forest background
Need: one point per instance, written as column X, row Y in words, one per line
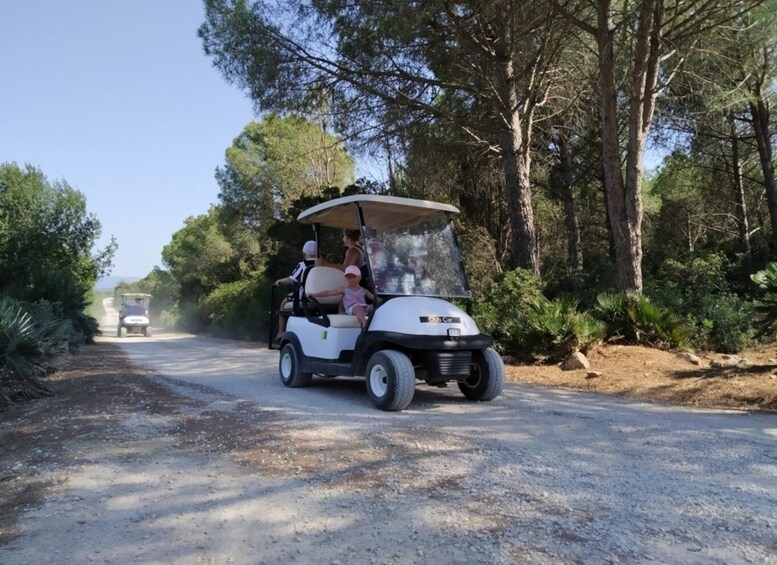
column 533, row 118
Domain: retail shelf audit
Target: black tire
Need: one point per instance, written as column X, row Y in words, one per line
column 118, row 331
column 147, row 331
column 390, row 380
column 289, row 368
column 487, row 378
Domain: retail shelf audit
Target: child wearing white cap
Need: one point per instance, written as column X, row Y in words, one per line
column 309, row 252
column 354, row 296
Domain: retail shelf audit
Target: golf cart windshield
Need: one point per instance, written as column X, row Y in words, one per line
column 420, row 259
column 135, row 304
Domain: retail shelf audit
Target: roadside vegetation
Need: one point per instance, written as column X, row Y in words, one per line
column 47, row 239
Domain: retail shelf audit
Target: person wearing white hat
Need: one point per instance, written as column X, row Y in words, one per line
column 354, row 296
column 309, row 252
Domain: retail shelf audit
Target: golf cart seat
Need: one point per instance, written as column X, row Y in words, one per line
column 326, row 278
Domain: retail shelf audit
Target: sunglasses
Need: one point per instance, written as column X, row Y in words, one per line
column 349, row 276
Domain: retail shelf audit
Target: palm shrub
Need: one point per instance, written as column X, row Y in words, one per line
column 766, row 305
column 21, row 357
column 555, row 328
column 637, row 320
column 611, row 309
column 56, row 332
column 69, row 299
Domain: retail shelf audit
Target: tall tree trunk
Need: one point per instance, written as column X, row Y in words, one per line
column 514, row 141
column 624, row 196
column 567, row 192
column 627, row 243
column 739, row 187
column 516, row 171
column 760, row 114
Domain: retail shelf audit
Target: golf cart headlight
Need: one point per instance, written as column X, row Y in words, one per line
column 454, row 333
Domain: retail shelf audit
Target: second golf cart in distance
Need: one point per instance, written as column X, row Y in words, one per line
column 414, row 333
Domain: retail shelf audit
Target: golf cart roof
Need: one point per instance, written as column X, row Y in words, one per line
column 135, row 295
column 380, row 212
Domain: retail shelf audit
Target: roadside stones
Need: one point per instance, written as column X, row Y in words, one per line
column 575, row 361
column 593, row 375
column 730, row 361
column 690, row 357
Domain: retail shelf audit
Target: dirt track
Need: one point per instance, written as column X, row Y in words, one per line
column 202, row 456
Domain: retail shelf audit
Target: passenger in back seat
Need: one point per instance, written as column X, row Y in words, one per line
column 309, row 252
column 354, row 296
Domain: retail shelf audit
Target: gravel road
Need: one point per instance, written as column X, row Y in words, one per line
column 536, row 476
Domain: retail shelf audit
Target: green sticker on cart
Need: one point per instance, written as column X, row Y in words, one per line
column 323, row 334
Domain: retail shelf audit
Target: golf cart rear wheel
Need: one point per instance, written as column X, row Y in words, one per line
column 487, row 378
column 289, row 368
column 147, row 331
column 390, row 380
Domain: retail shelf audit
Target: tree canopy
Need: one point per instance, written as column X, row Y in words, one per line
column 45, row 228
column 276, row 161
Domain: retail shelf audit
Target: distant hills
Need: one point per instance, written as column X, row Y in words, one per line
column 109, row 283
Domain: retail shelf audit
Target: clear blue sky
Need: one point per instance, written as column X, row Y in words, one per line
column 118, row 99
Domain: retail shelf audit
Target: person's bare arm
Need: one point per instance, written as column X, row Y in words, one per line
column 351, row 257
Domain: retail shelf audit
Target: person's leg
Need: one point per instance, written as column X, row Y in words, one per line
column 282, row 320
column 360, row 314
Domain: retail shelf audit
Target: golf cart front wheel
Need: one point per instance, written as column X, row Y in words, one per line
column 390, row 380
column 289, row 368
column 487, row 378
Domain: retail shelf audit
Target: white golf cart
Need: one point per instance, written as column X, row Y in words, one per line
column 133, row 315
column 414, row 333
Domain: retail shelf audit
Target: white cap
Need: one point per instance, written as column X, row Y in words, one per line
column 310, row 248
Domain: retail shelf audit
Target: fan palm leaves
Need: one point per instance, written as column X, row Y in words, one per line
column 636, row 319
column 766, row 304
column 21, row 356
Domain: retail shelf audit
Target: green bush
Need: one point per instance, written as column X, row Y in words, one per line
column 699, row 291
column 238, row 309
column 503, row 310
column 188, row 316
column 554, row 329
column 635, row 319
column 526, row 324
column 724, row 324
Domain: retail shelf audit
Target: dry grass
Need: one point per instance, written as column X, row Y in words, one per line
column 644, row 373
